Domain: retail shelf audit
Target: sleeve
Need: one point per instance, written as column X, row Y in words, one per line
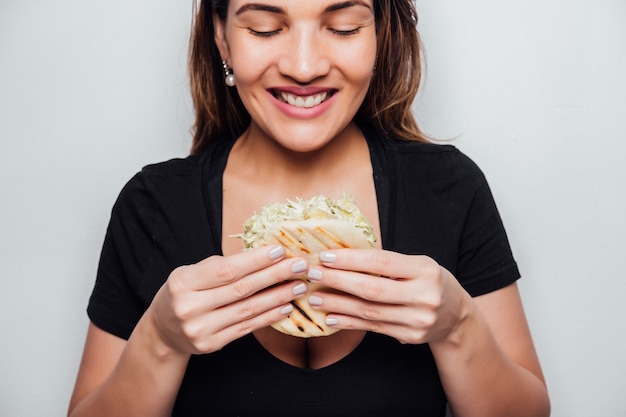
column 485, row 260
column 116, row 303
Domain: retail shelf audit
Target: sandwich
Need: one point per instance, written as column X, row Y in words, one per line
column 305, row 228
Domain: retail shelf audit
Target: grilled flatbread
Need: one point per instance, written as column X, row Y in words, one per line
column 304, row 229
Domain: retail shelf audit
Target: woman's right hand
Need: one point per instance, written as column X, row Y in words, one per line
column 204, row 306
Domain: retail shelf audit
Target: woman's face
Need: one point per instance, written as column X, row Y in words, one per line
column 303, row 67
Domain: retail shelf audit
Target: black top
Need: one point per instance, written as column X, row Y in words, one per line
column 432, row 200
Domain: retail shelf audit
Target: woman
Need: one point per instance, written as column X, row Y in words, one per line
column 300, row 98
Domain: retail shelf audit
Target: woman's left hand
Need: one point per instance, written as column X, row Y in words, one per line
column 409, row 297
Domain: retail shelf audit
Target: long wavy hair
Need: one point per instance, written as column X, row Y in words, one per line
column 386, row 107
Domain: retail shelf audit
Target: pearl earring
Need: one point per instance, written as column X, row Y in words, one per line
column 229, row 76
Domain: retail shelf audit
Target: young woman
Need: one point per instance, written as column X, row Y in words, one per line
column 296, row 98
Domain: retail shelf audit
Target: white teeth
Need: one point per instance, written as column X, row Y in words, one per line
column 303, row 102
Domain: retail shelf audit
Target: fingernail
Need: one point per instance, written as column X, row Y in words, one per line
column 299, row 266
column 331, row 321
column 286, row 309
column 328, row 257
column 314, row 300
column 314, row 274
column 276, row 253
column 299, row 289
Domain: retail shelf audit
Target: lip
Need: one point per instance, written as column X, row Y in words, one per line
column 302, row 112
column 303, row 91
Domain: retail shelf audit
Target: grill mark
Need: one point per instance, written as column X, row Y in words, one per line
column 291, row 241
column 305, row 315
column 332, row 237
column 314, row 236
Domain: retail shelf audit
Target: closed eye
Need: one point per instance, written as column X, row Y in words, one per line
column 264, row 34
column 344, row 32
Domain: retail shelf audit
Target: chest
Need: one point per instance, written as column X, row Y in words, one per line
column 240, row 201
column 381, row 377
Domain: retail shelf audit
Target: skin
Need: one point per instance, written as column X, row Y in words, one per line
column 289, row 152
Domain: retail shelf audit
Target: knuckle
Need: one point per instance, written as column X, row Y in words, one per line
column 372, row 289
column 246, row 326
column 436, row 301
column 192, row 332
column 225, row 272
column 426, row 320
column 247, row 309
column 177, row 280
column 242, row 288
column 432, row 269
column 199, row 338
column 374, row 326
column 371, row 312
column 382, row 260
column 206, row 345
column 413, row 297
column 183, row 311
column 413, row 337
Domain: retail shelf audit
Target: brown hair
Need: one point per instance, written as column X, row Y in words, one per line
column 387, row 105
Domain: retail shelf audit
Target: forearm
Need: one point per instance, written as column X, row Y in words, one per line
column 144, row 382
column 480, row 380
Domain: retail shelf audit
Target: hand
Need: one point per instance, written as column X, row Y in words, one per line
column 410, row 298
column 203, row 307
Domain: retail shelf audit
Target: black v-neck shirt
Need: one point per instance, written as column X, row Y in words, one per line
column 432, row 200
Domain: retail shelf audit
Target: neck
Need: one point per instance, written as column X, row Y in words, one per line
column 261, row 159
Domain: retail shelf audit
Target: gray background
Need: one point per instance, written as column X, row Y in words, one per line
column 533, row 91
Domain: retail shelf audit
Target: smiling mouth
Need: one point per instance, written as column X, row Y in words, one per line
column 303, row 102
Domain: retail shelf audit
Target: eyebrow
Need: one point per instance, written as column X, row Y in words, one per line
column 278, row 10
column 346, row 4
column 259, row 7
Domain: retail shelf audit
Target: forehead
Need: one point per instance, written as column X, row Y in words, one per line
column 306, row 7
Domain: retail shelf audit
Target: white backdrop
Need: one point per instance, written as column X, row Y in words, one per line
column 533, row 91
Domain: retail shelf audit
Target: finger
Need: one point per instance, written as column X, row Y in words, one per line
column 342, row 304
column 214, row 330
column 362, row 285
column 243, row 313
column 249, row 285
column 378, row 262
column 245, row 327
column 402, row 333
column 194, row 303
column 216, row 271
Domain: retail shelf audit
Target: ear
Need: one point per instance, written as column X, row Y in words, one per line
column 220, row 37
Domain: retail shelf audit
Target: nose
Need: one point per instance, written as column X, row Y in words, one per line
column 304, row 57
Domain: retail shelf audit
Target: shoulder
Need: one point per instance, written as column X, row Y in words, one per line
column 427, row 162
column 160, row 189
column 173, row 175
column 174, row 167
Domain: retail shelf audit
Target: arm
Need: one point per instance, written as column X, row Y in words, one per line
column 482, row 346
column 199, row 309
column 488, row 364
column 141, row 375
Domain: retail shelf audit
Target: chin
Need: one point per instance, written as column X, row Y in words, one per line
column 303, row 145
column 311, row 137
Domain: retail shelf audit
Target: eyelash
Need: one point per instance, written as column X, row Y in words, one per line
column 277, row 31
column 265, row 34
column 344, row 32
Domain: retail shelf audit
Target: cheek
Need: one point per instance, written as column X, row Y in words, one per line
column 358, row 61
column 249, row 62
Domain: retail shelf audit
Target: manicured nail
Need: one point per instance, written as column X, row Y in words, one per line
column 314, row 300
column 299, row 266
column 328, row 257
column 276, row 253
column 331, row 321
column 286, row 309
column 299, row 289
column 314, row 274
